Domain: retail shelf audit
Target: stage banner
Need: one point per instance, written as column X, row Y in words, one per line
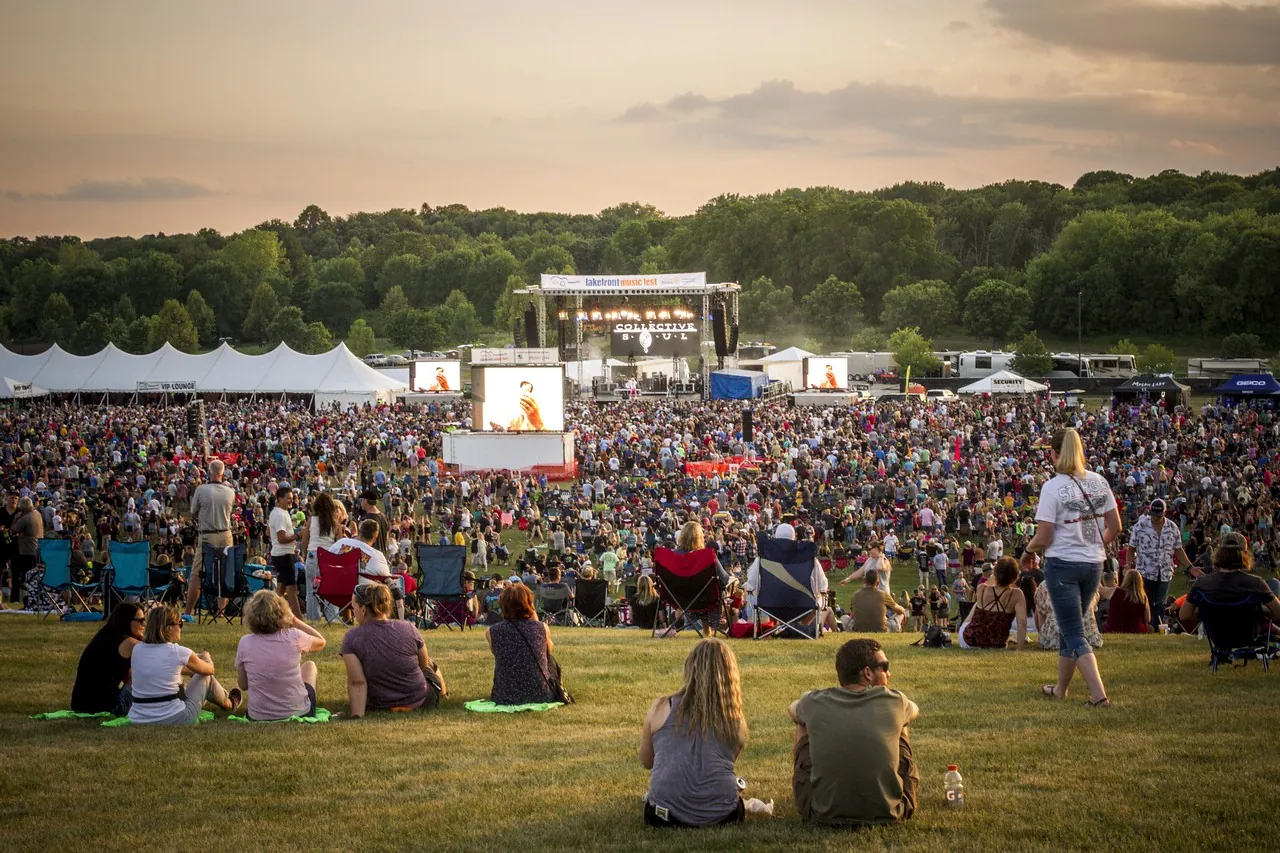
column 647, row 340
column 166, row 387
column 584, row 283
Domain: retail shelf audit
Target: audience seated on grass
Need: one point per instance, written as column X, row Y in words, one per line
column 524, row 671
column 102, row 676
column 852, row 758
column 1129, row 611
column 269, row 660
column 691, row 740
column 156, row 669
column 869, row 607
column 999, row 606
column 388, row 668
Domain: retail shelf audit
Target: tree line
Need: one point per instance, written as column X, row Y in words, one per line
column 1150, row 256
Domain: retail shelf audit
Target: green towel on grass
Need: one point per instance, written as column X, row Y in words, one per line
column 321, row 715
column 68, row 715
column 484, row 706
column 205, row 717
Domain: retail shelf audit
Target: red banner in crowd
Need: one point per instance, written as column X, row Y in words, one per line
column 229, row 458
column 718, row 466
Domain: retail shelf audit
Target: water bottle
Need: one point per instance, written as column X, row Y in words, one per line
column 954, row 786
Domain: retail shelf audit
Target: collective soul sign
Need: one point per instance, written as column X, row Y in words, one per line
column 666, row 340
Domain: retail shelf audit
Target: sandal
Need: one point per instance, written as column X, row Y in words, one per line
column 234, row 697
column 1104, row 702
column 1051, row 691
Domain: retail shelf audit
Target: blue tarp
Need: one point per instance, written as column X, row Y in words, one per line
column 1249, row 385
column 737, row 384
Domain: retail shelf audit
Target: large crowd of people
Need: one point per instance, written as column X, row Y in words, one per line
column 1008, row 516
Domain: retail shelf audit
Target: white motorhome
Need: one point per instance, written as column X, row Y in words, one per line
column 1225, row 368
column 1111, row 365
column 976, row 365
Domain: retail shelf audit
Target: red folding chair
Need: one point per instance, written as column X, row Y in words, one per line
column 687, row 582
column 339, row 574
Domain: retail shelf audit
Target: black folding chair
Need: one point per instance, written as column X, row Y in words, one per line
column 1236, row 630
column 590, row 601
column 688, row 582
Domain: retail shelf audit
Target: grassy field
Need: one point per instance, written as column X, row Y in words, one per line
column 1184, row 761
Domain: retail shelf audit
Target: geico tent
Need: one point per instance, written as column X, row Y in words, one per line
column 1004, row 382
column 336, row 376
column 1249, row 385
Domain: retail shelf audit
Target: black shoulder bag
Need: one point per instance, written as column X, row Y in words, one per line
column 556, row 686
column 1102, row 539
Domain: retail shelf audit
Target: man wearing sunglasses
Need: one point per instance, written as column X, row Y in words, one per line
column 853, row 763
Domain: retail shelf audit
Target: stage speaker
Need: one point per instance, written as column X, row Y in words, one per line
column 531, row 327
column 717, row 331
column 195, row 419
column 517, row 334
column 748, row 429
column 733, row 340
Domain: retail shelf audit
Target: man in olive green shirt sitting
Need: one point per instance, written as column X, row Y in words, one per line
column 870, row 606
column 853, row 763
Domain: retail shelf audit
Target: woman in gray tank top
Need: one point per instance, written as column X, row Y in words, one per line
column 690, row 741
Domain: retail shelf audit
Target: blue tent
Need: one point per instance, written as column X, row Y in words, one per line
column 737, row 384
column 1249, row 385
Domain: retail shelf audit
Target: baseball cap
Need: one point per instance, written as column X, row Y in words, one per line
column 784, row 531
column 1157, row 507
column 514, row 579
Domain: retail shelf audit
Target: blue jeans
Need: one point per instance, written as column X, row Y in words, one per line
column 1156, row 592
column 1072, row 586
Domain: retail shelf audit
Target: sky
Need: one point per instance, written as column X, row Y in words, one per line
column 142, row 116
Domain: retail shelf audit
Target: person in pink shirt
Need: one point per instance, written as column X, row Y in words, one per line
column 269, row 660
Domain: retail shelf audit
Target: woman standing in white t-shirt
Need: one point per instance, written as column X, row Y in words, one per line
column 156, row 673
column 326, row 525
column 1077, row 518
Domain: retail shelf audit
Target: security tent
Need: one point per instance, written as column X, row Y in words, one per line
column 1004, row 382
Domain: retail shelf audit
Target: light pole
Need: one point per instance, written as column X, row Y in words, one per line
column 1079, row 337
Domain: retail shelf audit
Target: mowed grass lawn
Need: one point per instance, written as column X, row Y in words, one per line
column 1185, row 760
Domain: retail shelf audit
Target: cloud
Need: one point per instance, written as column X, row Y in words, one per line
column 1202, row 33
column 959, row 26
column 141, row 189
column 893, row 120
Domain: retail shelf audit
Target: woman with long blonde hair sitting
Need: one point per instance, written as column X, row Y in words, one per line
column 1130, row 611
column 690, row 741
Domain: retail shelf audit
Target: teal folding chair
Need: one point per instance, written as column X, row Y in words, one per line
column 61, row 594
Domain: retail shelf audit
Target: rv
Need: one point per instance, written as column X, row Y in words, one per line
column 976, row 365
column 862, row 365
column 1111, row 365
column 1225, row 368
column 755, row 350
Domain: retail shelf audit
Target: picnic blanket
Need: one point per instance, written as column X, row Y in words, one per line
column 321, row 715
column 484, row 706
column 68, row 715
column 205, row 717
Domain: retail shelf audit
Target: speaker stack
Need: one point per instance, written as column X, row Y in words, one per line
column 718, row 331
column 748, row 427
column 531, row 327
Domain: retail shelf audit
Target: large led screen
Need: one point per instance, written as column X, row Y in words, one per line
column 826, row 372
column 518, row 398
column 437, row 376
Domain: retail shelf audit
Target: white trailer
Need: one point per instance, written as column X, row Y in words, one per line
column 981, row 363
column 863, row 364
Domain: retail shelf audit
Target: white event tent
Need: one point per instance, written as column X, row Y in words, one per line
column 336, row 376
column 1004, row 382
column 786, row 366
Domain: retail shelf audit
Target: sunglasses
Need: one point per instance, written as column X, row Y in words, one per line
column 881, row 665
column 139, row 620
column 174, row 625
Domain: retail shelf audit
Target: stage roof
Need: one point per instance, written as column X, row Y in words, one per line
column 664, row 284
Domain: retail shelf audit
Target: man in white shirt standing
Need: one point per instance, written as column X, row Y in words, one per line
column 284, row 560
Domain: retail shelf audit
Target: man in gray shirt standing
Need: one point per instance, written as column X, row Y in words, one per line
column 211, row 510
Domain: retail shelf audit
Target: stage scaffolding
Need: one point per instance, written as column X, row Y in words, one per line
column 728, row 291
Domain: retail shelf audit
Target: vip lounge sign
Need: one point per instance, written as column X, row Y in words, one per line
column 166, row 387
column 660, row 340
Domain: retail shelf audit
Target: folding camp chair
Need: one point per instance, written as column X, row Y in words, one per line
column 339, row 574
column 1236, row 631
column 441, row 592
column 59, row 593
column 130, row 575
column 785, row 596
column 688, row 582
column 554, row 604
column 223, row 585
column 590, row 601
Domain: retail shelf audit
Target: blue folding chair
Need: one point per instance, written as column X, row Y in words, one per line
column 1236, row 630
column 129, row 564
column 56, row 582
column 784, row 594
column 441, row 591
column 224, row 587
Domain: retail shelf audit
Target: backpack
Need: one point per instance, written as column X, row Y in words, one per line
column 934, row 638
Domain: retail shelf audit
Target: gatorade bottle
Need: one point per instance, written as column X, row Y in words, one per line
column 954, row 786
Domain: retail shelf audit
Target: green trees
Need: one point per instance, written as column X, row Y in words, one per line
column 1157, row 359
column 414, row 328
column 833, row 312
column 57, row 320
column 997, row 311
column 1242, row 345
column 174, row 325
column 263, row 308
column 913, row 350
column 289, row 327
column 930, row 305
column 1031, row 357
column 457, row 317
column 360, row 338
column 764, row 307
column 202, row 317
